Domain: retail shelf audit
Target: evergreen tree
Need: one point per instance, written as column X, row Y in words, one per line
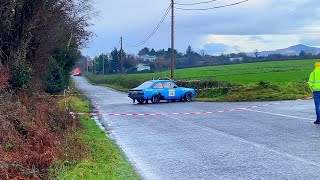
column 115, row 60
column 152, row 52
column 144, row 51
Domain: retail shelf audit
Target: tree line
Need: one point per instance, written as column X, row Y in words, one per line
column 115, row 62
column 112, row 63
column 40, row 41
column 192, row 58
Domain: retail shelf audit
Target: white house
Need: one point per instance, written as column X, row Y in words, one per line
column 236, row 59
column 147, row 58
column 141, row 67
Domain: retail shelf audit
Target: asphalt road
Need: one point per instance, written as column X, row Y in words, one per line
column 271, row 142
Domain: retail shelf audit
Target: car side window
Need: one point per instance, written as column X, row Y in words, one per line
column 168, row 85
column 158, row 86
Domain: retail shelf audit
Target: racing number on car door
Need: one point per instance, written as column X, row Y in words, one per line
column 172, row 93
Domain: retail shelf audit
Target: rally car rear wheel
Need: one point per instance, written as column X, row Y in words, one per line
column 188, row 97
column 141, row 101
column 155, row 99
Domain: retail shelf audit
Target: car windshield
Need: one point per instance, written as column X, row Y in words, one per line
column 145, row 85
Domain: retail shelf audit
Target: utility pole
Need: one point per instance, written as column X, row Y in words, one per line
column 92, row 67
column 121, row 56
column 87, row 64
column 172, row 39
column 103, row 65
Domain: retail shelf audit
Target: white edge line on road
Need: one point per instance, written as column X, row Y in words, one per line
column 260, row 146
column 276, row 114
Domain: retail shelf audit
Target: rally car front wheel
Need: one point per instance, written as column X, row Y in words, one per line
column 156, row 98
column 188, row 97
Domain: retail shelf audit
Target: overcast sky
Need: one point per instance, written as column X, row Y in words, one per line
column 256, row 24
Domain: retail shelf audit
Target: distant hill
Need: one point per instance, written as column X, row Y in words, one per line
column 292, row 50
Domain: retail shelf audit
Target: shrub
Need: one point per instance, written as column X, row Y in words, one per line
column 4, row 75
column 53, row 80
column 21, row 76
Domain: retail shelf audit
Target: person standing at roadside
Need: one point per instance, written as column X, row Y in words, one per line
column 314, row 84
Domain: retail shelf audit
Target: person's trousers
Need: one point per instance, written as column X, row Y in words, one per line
column 316, row 97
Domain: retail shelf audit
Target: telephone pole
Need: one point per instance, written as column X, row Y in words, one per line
column 87, row 64
column 121, row 56
column 103, row 66
column 172, row 39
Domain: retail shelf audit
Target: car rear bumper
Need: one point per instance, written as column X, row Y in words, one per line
column 136, row 95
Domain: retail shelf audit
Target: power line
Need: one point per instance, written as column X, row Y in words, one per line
column 191, row 4
column 216, row 7
column 154, row 30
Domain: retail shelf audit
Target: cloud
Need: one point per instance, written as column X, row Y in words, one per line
column 123, row 16
column 252, row 18
column 216, row 48
column 248, row 43
column 259, row 38
column 311, row 41
column 266, row 24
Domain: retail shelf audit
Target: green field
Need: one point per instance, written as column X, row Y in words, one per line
column 285, row 75
column 275, row 72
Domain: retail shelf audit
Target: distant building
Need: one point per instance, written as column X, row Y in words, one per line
column 236, row 59
column 147, row 58
column 142, row 67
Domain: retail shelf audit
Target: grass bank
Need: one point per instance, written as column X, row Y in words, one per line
column 277, row 80
column 102, row 158
column 262, row 91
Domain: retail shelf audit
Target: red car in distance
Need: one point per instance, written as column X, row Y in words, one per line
column 77, row 72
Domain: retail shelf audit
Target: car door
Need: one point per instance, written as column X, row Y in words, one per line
column 171, row 90
column 158, row 87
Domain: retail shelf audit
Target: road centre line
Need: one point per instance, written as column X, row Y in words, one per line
column 242, row 140
column 276, row 114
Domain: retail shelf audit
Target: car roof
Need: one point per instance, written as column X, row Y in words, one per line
column 161, row 80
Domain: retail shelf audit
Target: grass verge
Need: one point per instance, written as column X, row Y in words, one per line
column 102, row 160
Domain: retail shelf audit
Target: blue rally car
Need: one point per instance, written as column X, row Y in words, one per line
column 156, row 90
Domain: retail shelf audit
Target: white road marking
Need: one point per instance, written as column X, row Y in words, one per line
column 276, row 114
column 259, row 146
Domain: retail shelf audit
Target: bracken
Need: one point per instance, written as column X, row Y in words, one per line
column 32, row 135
